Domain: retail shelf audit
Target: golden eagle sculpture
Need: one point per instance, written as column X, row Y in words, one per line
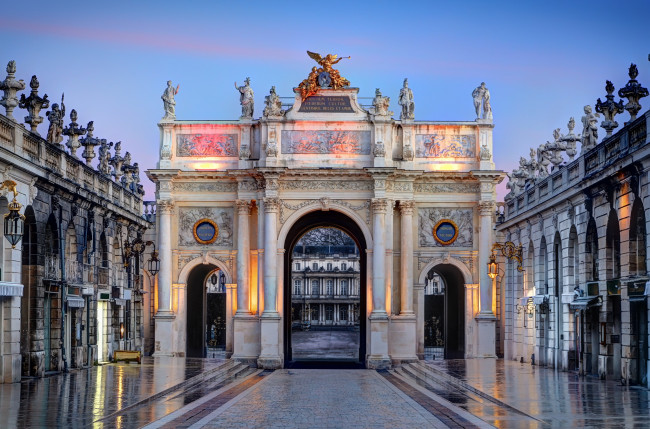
column 323, row 77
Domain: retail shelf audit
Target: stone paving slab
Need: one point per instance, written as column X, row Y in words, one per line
column 81, row 397
column 560, row 399
column 323, row 399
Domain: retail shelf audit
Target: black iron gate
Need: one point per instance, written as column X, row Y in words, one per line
column 216, row 321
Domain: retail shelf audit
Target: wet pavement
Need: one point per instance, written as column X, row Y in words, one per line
column 82, row 397
column 325, row 345
column 558, row 399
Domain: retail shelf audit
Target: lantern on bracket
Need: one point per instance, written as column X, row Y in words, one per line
column 14, row 222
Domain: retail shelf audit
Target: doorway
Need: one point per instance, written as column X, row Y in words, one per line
column 444, row 313
column 101, row 331
column 325, row 292
column 206, row 312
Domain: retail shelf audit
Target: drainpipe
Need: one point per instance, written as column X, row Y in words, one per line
column 64, row 287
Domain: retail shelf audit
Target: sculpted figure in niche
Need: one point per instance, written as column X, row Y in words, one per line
column 406, row 101
column 246, row 98
column 168, row 100
column 273, row 104
column 589, row 129
column 381, row 104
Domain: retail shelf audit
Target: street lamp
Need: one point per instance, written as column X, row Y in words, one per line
column 14, row 225
column 153, row 265
column 493, row 267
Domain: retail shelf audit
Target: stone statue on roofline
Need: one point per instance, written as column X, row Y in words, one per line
column 55, row 116
column 273, row 104
column 406, row 101
column 381, row 104
column 104, row 158
column 589, row 129
column 246, row 98
column 481, row 96
column 169, row 102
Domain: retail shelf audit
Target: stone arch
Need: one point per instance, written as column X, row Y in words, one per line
column 467, row 274
column 316, row 206
column 206, row 260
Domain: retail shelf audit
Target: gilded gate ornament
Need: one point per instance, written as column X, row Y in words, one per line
column 323, row 77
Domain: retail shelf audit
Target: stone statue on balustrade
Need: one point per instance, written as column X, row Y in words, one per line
column 103, row 165
column 55, row 116
column 10, row 86
column 589, row 129
column 543, row 161
column 481, row 96
column 406, row 101
column 246, row 98
column 169, row 102
column 34, row 103
column 570, row 140
column 273, row 104
column 116, row 162
column 381, row 105
column 555, row 148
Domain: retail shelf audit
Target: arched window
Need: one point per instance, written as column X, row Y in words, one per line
column 314, row 287
column 543, row 265
column 574, row 258
column 329, row 266
column 591, row 251
column 330, row 287
column 557, row 265
column 638, row 241
column 314, row 266
column 529, row 284
column 344, row 266
column 344, row 287
column 613, row 247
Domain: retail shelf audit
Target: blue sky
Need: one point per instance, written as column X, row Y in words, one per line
column 542, row 61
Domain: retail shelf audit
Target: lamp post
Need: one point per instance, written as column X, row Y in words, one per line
column 510, row 251
column 14, row 222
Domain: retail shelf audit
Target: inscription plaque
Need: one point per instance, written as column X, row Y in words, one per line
column 327, row 104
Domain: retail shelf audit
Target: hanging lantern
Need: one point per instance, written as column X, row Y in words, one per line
column 493, row 267
column 153, row 266
column 14, row 222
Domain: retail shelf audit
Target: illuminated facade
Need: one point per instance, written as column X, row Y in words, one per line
column 581, row 302
column 324, row 161
column 67, row 298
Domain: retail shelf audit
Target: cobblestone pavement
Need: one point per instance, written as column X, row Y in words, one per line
column 80, row 398
column 560, row 399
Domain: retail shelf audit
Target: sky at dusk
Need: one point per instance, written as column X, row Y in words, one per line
column 542, row 61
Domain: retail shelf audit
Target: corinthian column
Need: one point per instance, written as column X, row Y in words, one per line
column 271, row 206
column 406, row 257
column 164, row 208
column 486, row 212
column 243, row 257
column 379, row 209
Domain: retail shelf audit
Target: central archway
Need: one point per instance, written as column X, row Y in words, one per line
column 319, row 219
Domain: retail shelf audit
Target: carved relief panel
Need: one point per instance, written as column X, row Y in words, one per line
column 429, row 218
column 188, row 217
column 445, row 146
column 197, row 145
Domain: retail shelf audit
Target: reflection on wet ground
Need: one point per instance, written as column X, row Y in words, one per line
column 325, row 345
column 555, row 397
column 81, row 398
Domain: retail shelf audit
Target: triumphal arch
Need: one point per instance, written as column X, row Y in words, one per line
column 416, row 197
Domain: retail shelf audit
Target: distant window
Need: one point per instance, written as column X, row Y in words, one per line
column 297, row 287
column 343, row 313
column 330, row 287
column 314, row 287
column 314, row 313
column 344, row 287
column 329, row 266
column 344, row 266
column 297, row 266
column 329, row 312
column 314, row 266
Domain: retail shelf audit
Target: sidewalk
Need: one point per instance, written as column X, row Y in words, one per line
column 81, row 397
column 561, row 399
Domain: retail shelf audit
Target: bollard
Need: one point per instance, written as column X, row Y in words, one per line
column 521, row 360
column 532, row 359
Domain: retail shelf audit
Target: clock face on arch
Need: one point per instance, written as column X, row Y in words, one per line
column 205, row 231
column 445, row 231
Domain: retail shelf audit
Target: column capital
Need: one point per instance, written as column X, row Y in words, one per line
column 486, row 208
column 379, row 205
column 243, row 207
column 271, row 204
column 164, row 206
column 406, row 207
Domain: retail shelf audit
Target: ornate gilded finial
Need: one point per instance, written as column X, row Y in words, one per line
column 323, row 77
column 609, row 108
column 633, row 91
column 10, row 86
column 34, row 103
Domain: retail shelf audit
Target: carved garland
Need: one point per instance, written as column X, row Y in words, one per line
column 294, row 207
